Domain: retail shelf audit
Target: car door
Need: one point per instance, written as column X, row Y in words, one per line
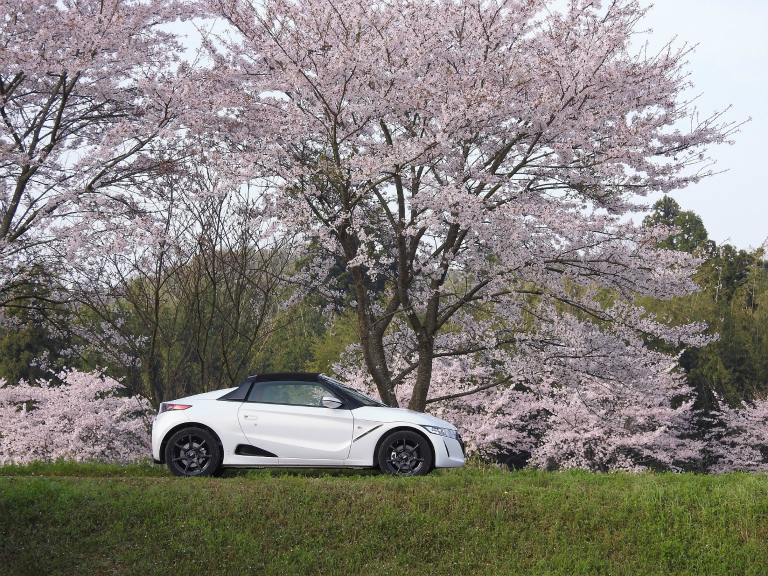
column 288, row 419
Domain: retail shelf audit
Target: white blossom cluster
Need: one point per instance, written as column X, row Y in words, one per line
column 86, row 418
column 642, row 419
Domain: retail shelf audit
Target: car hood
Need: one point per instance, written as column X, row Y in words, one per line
column 389, row 415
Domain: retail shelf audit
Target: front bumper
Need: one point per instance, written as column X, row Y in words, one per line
column 449, row 453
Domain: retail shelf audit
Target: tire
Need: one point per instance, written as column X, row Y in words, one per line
column 405, row 453
column 193, row 452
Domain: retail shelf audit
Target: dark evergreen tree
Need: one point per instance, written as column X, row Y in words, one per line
column 692, row 238
column 732, row 301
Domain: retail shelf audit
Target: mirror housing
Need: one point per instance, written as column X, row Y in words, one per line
column 331, row 402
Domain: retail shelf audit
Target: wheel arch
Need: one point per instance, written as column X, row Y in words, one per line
column 183, row 425
column 403, row 428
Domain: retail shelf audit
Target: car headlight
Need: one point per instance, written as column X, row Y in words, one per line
column 447, row 432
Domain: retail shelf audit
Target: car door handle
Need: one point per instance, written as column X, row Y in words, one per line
column 250, row 417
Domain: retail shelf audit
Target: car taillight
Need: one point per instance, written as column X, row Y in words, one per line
column 165, row 407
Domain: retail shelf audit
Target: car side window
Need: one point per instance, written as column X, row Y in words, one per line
column 291, row 393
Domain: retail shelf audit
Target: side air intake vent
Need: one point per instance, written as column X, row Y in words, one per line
column 248, row 450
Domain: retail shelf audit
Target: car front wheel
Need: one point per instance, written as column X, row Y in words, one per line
column 193, row 452
column 405, row 453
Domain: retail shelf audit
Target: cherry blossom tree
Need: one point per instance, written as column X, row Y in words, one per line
column 478, row 159
column 639, row 418
column 180, row 294
column 84, row 419
column 737, row 438
column 89, row 92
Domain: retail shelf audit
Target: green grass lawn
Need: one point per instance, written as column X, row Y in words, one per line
column 90, row 519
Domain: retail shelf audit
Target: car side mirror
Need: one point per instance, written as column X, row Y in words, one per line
column 331, row 402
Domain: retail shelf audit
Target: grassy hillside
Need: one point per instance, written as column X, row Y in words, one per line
column 78, row 519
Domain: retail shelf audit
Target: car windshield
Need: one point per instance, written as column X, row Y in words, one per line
column 364, row 399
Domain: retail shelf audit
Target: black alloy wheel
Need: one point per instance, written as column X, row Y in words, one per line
column 193, row 452
column 405, row 453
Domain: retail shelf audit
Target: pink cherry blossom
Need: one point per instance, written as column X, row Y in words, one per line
column 476, row 159
column 85, row 419
column 89, row 93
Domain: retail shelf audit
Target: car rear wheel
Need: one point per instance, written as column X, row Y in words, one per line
column 405, row 453
column 193, row 452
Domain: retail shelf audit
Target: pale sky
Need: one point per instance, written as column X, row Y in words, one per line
column 728, row 67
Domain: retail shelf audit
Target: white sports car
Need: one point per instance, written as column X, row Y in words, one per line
column 299, row 420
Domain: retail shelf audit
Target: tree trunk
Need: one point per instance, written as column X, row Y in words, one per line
column 424, row 373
